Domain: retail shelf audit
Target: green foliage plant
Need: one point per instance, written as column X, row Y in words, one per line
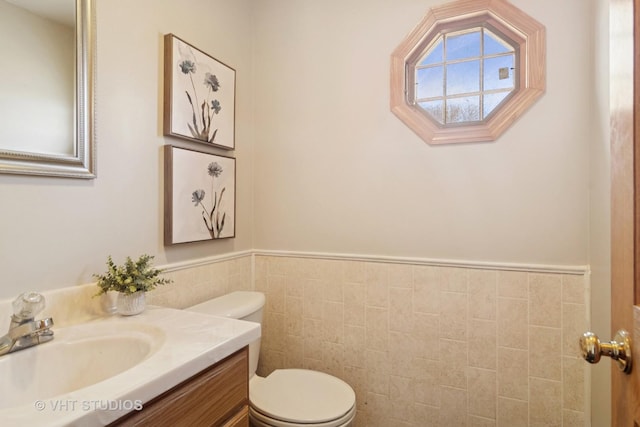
column 131, row 277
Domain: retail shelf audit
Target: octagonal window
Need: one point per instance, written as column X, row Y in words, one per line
column 467, row 71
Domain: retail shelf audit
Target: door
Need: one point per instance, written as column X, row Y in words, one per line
column 625, row 203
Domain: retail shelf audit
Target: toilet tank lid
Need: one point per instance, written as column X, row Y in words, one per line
column 235, row 305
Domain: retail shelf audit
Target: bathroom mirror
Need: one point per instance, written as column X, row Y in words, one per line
column 47, row 57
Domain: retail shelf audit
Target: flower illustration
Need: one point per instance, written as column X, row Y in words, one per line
column 211, row 218
column 202, row 113
column 214, row 169
column 197, row 197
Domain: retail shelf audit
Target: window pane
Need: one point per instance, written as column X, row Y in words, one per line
column 428, row 82
column 463, row 46
column 465, row 109
column 491, row 101
column 434, row 108
column 463, row 77
column 493, row 44
column 498, row 73
column 434, row 55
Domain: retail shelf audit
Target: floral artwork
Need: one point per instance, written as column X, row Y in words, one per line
column 199, row 95
column 199, row 196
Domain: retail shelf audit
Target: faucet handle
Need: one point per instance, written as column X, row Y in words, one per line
column 27, row 305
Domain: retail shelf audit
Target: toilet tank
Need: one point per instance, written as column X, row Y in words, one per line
column 241, row 305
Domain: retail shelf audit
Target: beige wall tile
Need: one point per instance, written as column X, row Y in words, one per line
column 357, row 379
column 513, row 373
column 424, row 345
column 475, row 421
column 482, row 392
column 513, row 284
column 294, row 286
column 453, row 406
column 377, row 328
column 482, row 343
column 401, row 396
column 453, row 363
column 545, row 297
column 401, row 276
column 333, row 322
column 312, row 299
column 401, row 353
column 426, row 381
column 354, row 346
column 275, row 294
column 378, row 410
column 513, row 318
column 574, row 324
column 294, row 317
column 573, row 419
column 453, row 315
column 545, row 360
column 545, row 408
column 574, row 288
column 354, row 272
column 512, row 413
column 482, row 294
column 427, row 416
column 354, row 312
column 425, row 335
column 426, row 287
column 401, row 309
column 573, row 378
column 378, row 371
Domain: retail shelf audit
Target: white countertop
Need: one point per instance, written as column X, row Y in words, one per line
column 190, row 342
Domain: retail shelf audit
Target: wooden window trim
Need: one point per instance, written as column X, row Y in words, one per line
column 525, row 32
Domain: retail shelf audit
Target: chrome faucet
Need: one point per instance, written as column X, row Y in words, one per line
column 24, row 330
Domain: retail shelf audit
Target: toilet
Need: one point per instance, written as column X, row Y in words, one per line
column 286, row 397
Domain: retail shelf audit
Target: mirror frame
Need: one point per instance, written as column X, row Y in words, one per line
column 82, row 163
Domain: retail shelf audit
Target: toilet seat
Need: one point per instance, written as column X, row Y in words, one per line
column 301, row 397
column 260, row 420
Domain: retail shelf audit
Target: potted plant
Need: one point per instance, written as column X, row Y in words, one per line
column 131, row 281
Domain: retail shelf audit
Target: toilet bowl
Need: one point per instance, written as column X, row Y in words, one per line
column 286, row 397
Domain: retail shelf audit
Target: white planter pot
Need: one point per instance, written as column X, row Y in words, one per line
column 130, row 304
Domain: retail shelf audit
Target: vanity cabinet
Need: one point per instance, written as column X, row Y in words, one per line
column 216, row 397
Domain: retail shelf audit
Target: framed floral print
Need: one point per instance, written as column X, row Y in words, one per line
column 199, row 196
column 199, row 95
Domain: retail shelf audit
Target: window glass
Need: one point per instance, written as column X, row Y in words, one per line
column 434, row 54
column 460, row 110
column 463, row 46
column 429, row 82
column 464, row 76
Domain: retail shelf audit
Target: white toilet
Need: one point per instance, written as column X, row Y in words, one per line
column 286, row 397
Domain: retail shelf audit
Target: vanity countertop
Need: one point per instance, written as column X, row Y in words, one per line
column 189, row 343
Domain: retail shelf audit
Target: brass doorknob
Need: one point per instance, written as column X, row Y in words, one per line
column 619, row 349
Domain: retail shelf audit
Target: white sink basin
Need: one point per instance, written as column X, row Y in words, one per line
column 79, row 356
column 93, row 373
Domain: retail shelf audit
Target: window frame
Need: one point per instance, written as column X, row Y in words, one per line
column 508, row 22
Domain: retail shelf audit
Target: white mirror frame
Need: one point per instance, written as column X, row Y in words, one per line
column 82, row 163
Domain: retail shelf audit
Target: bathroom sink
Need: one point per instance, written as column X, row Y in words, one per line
column 94, row 373
column 78, row 357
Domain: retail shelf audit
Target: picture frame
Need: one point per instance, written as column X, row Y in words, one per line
column 199, row 95
column 199, row 196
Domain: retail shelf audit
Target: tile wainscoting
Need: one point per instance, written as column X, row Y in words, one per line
column 200, row 280
column 423, row 343
column 432, row 345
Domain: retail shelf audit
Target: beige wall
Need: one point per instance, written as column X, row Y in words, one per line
column 337, row 172
column 57, row 232
column 427, row 345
